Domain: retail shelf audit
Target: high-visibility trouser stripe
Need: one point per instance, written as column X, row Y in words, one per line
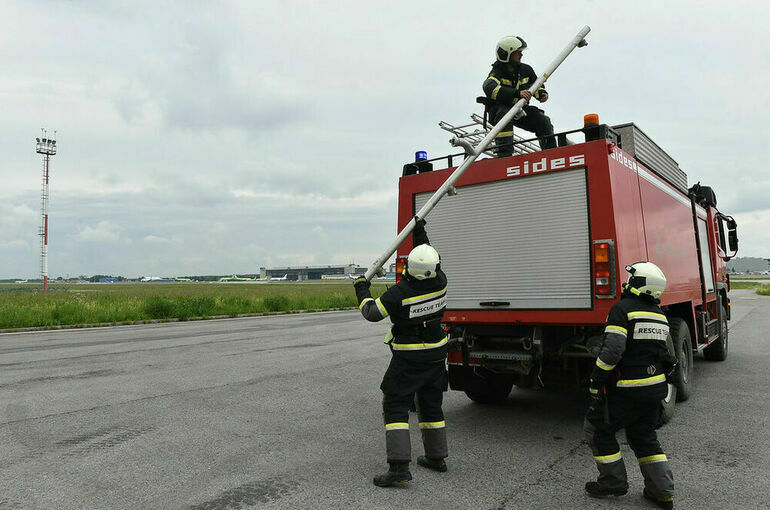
column 603, row 365
column 383, row 311
column 364, row 302
column 432, row 424
column 397, row 426
column 647, row 315
column 422, row 297
column 635, row 383
column 608, row 459
column 653, row 458
column 618, row 330
column 418, row 347
column 504, row 133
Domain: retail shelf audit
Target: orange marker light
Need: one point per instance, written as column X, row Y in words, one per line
column 592, row 119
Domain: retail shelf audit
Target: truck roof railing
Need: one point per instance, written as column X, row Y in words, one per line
column 480, row 130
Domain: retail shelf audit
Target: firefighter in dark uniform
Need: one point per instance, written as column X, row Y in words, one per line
column 627, row 386
column 509, row 81
column 418, row 365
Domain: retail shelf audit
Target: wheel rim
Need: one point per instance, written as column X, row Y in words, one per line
column 685, row 361
column 724, row 333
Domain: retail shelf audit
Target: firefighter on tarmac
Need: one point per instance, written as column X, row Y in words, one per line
column 509, row 81
column 627, row 386
column 418, row 364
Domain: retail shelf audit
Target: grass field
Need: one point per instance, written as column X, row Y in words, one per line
column 23, row 306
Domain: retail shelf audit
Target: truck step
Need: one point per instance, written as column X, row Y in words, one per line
column 518, row 356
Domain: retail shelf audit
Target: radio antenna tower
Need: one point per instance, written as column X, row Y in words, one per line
column 47, row 147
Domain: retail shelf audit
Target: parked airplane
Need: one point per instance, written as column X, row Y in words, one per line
column 235, row 278
column 284, row 277
column 21, row 281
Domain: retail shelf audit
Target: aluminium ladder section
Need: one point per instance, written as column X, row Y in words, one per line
column 478, row 134
column 474, row 152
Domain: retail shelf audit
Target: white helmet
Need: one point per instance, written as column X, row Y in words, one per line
column 508, row 45
column 646, row 278
column 423, row 262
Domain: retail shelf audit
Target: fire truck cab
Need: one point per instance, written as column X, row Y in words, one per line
column 535, row 246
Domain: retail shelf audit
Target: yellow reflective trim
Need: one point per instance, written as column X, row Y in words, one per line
column 364, row 302
column 619, row 330
column 603, row 365
column 432, row 424
column 504, row 133
column 417, row 347
column 593, row 391
column 647, row 315
column 506, row 82
column 383, row 311
column 388, row 337
column 653, row 458
column 493, row 78
column 648, row 381
column 422, row 297
column 494, row 92
column 608, row 459
column 397, row 426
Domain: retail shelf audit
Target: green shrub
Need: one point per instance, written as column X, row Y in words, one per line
column 277, row 303
column 158, row 307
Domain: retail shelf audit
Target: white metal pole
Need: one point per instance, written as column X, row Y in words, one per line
column 576, row 41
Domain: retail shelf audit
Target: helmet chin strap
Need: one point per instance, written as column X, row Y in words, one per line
column 630, row 289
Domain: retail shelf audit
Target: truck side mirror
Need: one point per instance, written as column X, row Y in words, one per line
column 732, row 236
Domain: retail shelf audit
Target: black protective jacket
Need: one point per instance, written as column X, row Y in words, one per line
column 634, row 356
column 502, row 86
column 415, row 308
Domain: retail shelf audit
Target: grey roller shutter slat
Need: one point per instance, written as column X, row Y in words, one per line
column 523, row 240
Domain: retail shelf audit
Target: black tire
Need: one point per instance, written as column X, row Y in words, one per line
column 486, row 387
column 668, row 404
column 680, row 335
column 717, row 351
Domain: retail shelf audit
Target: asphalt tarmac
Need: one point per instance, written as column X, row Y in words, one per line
column 284, row 412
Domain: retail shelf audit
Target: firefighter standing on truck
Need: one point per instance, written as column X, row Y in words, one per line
column 417, row 340
column 509, row 81
column 627, row 386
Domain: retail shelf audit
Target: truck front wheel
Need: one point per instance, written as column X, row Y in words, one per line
column 717, row 351
column 487, row 387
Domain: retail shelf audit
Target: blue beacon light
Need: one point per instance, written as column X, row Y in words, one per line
column 420, row 156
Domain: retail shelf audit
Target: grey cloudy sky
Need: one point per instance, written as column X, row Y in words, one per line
column 218, row 137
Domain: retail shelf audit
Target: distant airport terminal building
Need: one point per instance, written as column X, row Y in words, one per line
column 303, row 273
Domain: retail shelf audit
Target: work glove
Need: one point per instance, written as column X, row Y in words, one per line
column 670, row 366
column 597, row 391
column 361, row 283
column 419, row 225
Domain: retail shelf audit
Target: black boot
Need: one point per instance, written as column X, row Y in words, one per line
column 666, row 505
column 595, row 490
column 434, row 464
column 397, row 473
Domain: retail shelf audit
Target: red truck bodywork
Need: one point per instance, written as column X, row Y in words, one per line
column 645, row 218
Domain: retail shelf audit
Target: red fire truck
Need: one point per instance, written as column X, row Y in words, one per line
column 535, row 246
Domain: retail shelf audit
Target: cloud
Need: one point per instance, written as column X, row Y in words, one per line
column 104, row 232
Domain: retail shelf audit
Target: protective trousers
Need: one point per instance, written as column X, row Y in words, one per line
column 535, row 121
column 403, row 380
column 639, row 417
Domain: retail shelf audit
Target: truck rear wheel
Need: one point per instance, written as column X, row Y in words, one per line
column 487, row 387
column 680, row 334
column 717, row 351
